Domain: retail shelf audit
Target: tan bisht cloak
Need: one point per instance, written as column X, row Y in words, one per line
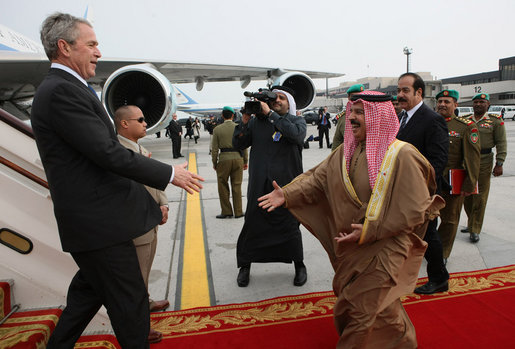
column 370, row 276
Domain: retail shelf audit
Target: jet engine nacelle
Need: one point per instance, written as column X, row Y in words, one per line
column 144, row 86
column 302, row 85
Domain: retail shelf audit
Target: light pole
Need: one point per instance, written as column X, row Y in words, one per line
column 407, row 52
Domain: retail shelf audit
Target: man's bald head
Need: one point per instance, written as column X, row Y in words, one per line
column 130, row 122
column 124, row 113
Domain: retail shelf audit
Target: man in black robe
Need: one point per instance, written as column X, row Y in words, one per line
column 276, row 136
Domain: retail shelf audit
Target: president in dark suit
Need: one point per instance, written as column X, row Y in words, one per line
column 427, row 131
column 96, row 185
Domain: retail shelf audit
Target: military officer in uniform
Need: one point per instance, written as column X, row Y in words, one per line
column 492, row 133
column 340, row 126
column 464, row 153
column 228, row 163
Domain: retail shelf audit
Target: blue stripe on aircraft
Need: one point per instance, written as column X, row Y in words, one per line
column 199, row 109
column 190, row 101
column 7, row 48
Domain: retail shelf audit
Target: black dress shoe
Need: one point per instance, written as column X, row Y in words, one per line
column 181, row 156
column 240, row 215
column 221, row 216
column 465, row 230
column 243, row 277
column 432, row 287
column 474, row 237
column 301, row 276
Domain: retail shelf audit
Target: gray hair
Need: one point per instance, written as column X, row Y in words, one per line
column 59, row 26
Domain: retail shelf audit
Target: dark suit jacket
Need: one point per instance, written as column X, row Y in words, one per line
column 92, row 177
column 428, row 132
column 319, row 121
column 174, row 129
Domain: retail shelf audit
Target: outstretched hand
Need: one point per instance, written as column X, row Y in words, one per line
column 185, row 179
column 273, row 199
column 352, row 236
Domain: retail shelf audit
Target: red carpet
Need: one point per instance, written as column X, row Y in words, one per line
column 28, row 329
column 303, row 321
column 100, row 341
column 477, row 312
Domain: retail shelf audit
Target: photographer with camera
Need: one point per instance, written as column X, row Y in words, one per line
column 276, row 135
column 324, row 124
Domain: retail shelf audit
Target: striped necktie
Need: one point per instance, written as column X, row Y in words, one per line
column 404, row 119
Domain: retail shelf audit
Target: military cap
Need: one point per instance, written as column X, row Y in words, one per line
column 356, row 88
column 229, row 109
column 481, row 96
column 449, row 93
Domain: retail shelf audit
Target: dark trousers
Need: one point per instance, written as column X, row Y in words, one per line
column 189, row 132
column 111, row 277
column 436, row 270
column 323, row 130
column 176, row 146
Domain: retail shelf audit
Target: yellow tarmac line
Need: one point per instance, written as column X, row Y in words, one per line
column 194, row 285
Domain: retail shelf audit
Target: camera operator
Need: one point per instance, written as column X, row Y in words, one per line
column 276, row 135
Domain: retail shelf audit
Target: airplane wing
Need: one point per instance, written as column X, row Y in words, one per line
column 179, row 73
column 23, row 65
column 21, row 72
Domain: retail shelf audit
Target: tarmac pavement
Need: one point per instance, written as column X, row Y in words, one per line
column 269, row 280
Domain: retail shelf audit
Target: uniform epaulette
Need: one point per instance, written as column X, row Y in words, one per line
column 497, row 116
column 340, row 114
column 466, row 115
column 465, row 121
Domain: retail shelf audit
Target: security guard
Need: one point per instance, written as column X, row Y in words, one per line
column 464, row 153
column 340, row 126
column 228, row 163
column 492, row 133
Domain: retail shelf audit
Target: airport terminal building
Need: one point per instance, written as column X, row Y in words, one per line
column 499, row 84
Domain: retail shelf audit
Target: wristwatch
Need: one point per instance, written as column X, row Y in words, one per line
column 498, row 163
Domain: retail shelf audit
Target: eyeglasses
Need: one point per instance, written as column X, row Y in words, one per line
column 141, row 119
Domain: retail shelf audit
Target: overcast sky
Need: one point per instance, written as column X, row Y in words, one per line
column 358, row 38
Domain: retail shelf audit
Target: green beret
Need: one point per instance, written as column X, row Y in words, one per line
column 449, row 93
column 229, row 109
column 481, row 96
column 356, row 88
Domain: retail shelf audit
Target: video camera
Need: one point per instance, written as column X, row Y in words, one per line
column 254, row 107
